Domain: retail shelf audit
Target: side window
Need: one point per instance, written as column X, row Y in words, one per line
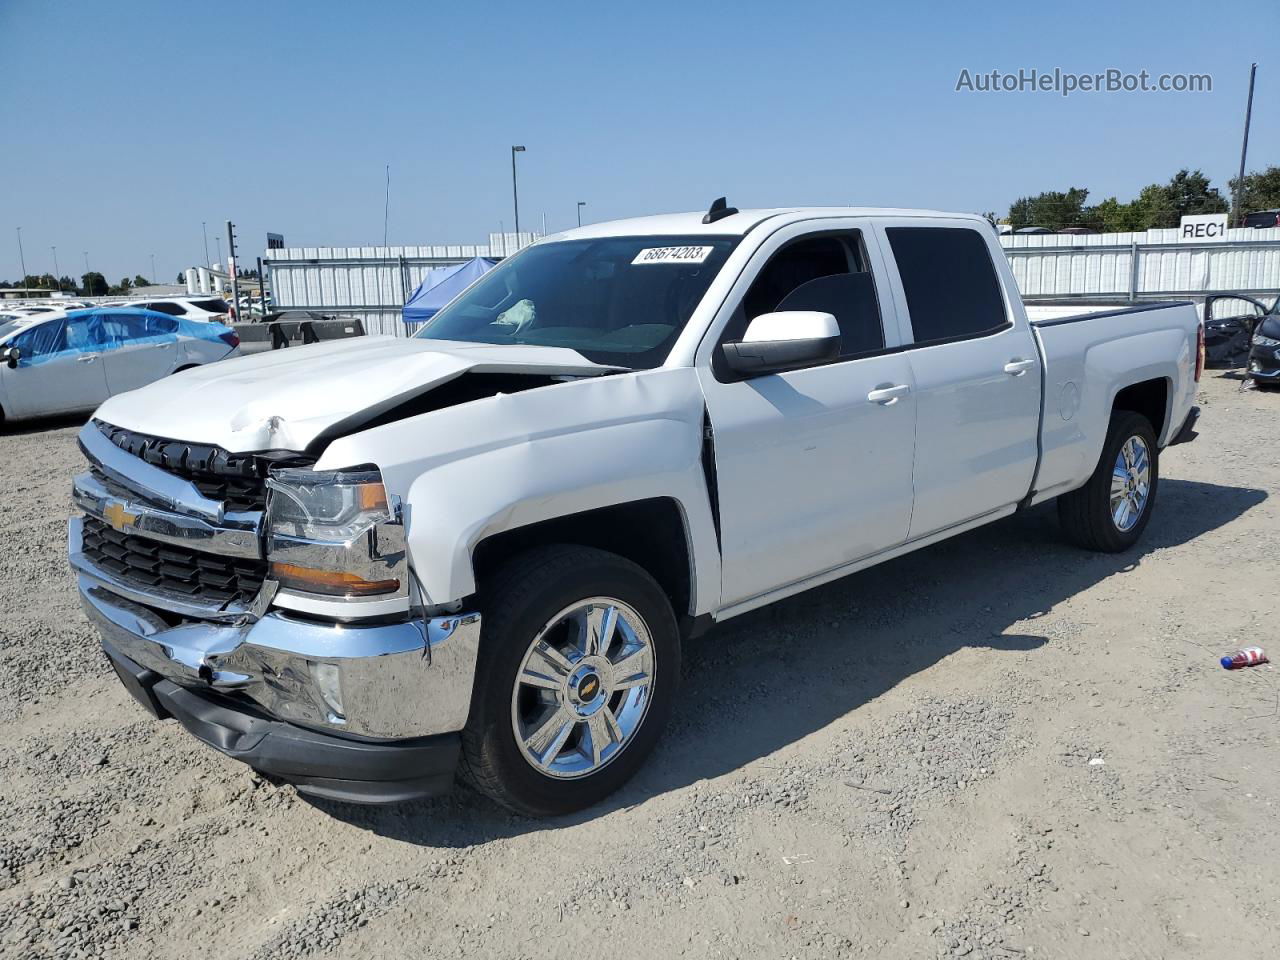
column 83, row 334
column 161, row 326
column 40, row 343
column 949, row 281
column 828, row 274
column 1224, row 308
column 173, row 309
column 121, row 328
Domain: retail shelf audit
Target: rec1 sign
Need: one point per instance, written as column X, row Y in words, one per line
column 1203, row 228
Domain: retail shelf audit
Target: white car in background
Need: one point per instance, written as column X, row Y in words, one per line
column 207, row 309
column 71, row 361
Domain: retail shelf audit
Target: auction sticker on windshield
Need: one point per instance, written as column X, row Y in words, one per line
column 672, row 255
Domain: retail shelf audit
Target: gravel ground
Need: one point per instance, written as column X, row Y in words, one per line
column 998, row 747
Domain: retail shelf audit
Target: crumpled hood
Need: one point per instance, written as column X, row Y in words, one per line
column 284, row 399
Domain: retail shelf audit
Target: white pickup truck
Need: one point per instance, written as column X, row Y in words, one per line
column 366, row 566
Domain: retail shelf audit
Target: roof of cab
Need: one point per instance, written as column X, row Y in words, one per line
column 737, row 224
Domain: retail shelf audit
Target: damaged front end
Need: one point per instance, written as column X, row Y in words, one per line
column 189, row 594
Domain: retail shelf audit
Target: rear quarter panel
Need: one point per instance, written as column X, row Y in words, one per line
column 1087, row 363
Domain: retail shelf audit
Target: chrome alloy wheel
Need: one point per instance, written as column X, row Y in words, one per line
column 583, row 688
column 1130, row 484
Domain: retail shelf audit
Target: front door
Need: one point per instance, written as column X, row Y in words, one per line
column 60, row 369
column 813, row 466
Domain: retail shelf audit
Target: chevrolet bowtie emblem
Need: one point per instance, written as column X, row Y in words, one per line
column 119, row 518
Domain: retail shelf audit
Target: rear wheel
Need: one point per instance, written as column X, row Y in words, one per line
column 1112, row 509
column 579, row 661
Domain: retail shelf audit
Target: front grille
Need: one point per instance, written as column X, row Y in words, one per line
column 153, row 566
column 234, row 479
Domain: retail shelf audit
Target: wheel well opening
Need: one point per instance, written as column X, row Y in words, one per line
column 1149, row 398
column 649, row 533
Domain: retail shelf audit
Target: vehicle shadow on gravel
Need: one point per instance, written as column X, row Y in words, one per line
column 41, row 424
column 767, row 679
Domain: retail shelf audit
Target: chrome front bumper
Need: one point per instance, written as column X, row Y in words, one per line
column 411, row 678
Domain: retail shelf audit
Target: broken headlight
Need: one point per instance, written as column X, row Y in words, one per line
column 335, row 533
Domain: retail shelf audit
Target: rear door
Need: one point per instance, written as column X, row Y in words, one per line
column 60, row 369
column 812, row 466
column 136, row 350
column 975, row 366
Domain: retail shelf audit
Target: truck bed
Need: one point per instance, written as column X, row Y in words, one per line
column 1084, row 354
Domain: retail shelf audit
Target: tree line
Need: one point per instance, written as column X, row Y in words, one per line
column 92, row 284
column 1157, row 205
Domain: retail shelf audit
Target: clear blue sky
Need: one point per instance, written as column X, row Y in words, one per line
column 128, row 123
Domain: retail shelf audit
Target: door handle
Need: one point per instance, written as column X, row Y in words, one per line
column 1017, row 366
column 87, row 358
column 887, row 396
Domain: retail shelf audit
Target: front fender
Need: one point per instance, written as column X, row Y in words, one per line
column 468, row 472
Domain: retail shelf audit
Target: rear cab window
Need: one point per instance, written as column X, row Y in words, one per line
column 950, row 283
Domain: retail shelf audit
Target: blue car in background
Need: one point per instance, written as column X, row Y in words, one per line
column 70, row 361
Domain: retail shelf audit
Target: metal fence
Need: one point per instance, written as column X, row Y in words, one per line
column 373, row 283
column 1144, row 266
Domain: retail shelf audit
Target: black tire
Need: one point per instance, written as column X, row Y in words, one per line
column 516, row 603
column 1085, row 514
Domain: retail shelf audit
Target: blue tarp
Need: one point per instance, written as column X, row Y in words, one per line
column 441, row 285
column 105, row 328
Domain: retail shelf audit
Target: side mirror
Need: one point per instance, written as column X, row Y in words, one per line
column 775, row 342
column 11, row 356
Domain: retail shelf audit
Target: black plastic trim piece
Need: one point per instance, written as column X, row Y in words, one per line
column 757, row 358
column 318, row 764
column 719, row 210
column 961, row 337
column 693, row 627
column 1187, row 432
column 709, row 473
column 1112, row 313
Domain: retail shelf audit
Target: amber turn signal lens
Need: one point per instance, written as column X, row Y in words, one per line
column 371, row 496
column 329, row 582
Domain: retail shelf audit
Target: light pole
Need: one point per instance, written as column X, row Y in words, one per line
column 57, row 274
column 153, row 268
column 205, row 231
column 87, row 288
column 581, row 204
column 218, row 244
column 515, row 196
column 22, row 258
column 1244, row 147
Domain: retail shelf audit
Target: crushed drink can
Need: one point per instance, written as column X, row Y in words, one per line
column 1248, row 657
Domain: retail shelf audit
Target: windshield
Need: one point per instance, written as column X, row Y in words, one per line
column 616, row 300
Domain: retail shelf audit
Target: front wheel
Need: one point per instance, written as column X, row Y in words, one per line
column 1112, row 509
column 579, row 662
